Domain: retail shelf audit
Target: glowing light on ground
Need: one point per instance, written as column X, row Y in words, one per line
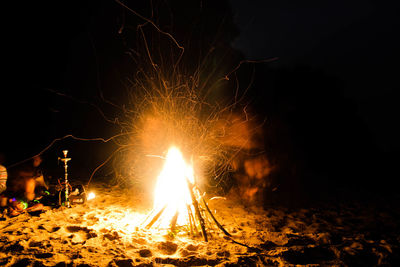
column 116, row 218
column 91, row 196
column 172, row 189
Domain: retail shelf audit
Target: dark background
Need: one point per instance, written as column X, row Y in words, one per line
column 330, row 100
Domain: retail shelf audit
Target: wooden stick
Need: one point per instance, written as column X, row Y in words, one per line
column 194, row 222
column 174, row 220
column 197, row 210
column 215, row 220
column 155, row 218
column 147, row 217
column 190, row 216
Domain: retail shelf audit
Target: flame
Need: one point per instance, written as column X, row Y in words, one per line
column 172, row 189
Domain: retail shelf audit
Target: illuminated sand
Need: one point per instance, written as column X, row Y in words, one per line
column 106, row 232
column 108, row 229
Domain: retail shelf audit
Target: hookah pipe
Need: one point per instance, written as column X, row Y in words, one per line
column 65, row 160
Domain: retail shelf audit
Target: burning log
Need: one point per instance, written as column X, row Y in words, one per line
column 191, row 220
column 155, row 218
column 171, row 183
column 173, row 221
column 197, row 210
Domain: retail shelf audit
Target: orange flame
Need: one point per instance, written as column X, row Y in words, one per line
column 172, row 189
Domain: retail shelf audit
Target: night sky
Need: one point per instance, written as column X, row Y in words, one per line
column 355, row 41
column 338, row 64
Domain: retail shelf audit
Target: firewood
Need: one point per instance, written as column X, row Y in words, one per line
column 215, row 220
column 173, row 221
column 156, row 217
column 191, row 221
column 197, row 210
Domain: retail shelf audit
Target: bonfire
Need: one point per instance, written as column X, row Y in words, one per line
column 178, row 202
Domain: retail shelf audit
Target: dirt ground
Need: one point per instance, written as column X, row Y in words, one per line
column 107, row 231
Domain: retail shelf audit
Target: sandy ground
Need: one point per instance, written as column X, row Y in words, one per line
column 106, row 231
